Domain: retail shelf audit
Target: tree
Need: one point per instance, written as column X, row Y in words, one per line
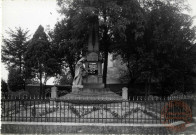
column 68, row 46
column 4, row 87
column 152, row 37
column 66, row 79
column 14, row 47
column 170, row 36
column 15, row 81
column 162, row 52
column 39, row 58
column 111, row 15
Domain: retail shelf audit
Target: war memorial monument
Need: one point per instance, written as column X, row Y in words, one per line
column 88, row 81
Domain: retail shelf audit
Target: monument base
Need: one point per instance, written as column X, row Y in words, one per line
column 76, row 88
column 92, row 96
column 94, row 85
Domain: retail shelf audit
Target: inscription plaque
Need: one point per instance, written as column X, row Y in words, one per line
column 93, row 69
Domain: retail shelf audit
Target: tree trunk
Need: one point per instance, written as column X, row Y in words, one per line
column 40, row 84
column 20, row 59
column 45, row 81
column 72, row 70
column 106, row 49
column 128, row 66
column 105, row 66
column 24, row 77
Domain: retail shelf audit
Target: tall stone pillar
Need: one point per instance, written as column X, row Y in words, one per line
column 93, row 63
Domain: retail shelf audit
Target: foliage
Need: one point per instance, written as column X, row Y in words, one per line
column 4, row 87
column 39, row 58
column 171, row 34
column 112, row 16
column 15, row 80
column 66, row 79
column 177, row 93
column 153, row 37
column 68, row 45
column 14, row 47
column 122, row 69
column 161, row 53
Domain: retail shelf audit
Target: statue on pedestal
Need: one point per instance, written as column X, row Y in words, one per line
column 79, row 73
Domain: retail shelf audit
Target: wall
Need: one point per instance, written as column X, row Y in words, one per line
column 33, row 90
column 79, row 128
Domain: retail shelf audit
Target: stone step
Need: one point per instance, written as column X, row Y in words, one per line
column 92, row 95
column 94, row 90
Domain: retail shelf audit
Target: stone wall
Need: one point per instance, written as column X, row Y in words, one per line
column 34, row 90
column 81, row 128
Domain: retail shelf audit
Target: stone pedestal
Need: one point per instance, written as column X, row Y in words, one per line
column 93, row 95
column 125, row 93
column 54, row 92
column 76, row 88
column 94, row 67
column 93, row 64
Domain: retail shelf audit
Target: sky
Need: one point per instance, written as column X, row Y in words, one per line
column 29, row 14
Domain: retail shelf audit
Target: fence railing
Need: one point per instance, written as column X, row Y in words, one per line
column 135, row 110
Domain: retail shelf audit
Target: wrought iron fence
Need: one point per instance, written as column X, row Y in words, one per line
column 135, row 110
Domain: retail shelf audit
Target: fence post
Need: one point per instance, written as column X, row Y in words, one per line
column 53, row 95
column 125, row 93
column 54, row 92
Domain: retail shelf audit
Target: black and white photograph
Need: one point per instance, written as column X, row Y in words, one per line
column 98, row 67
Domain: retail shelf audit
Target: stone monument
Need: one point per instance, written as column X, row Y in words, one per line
column 93, row 63
column 92, row 87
